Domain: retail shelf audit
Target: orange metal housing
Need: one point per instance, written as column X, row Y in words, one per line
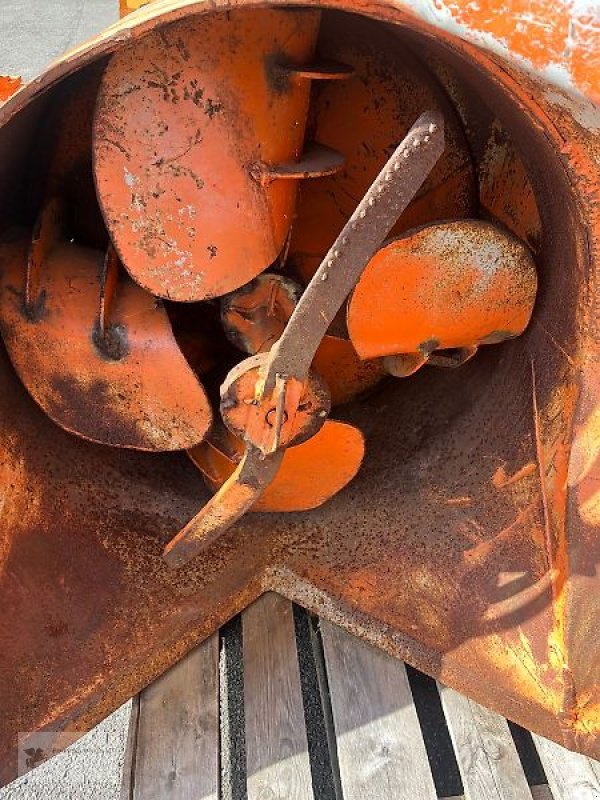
column 468, row 542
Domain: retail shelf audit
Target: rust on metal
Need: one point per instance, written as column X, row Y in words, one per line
column 106, row 383
column 255, row 316
column 192, row 133
column 453, row 285
column 310, row 474
column 318, row 71
column 317, row 161
column 467, row 542
column 291, row 411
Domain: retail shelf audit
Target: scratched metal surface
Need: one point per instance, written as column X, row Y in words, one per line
column 467, row 545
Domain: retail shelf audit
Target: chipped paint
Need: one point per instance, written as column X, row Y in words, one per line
column 558, row 41
column 8, row 86
column 447, row 548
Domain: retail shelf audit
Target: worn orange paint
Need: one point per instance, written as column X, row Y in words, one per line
column 347, row 375
column 584, row 53
column 553, row 437
column 122, row 399
column 292, row 412
column 585, row 452
column 511, row 673
column 529, row 675
column 364, row 118
column 255, row 316
column 8, row 86
column 537, row 29
column 505, row 191
column 310, row 474
column 177, row 148
column 445, row 286
column 544, row 33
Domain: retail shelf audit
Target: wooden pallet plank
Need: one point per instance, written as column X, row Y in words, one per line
column 177, row 752
column 276, row 743
column 380, row 746
column 487, row 758
column 570, row 775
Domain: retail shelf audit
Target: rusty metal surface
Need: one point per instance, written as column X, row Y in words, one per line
column 109, row 389
column 310, row 474
column 193, row 123
column 452, row 285
column 467, row 544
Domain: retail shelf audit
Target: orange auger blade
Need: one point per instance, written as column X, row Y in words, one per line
column 131, row 387
column 310, row 474
column 198, row 141
column 364, row 118
column 457, row 285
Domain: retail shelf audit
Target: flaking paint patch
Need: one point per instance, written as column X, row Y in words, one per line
column 130, row 180
column 586, row 113
column 557, row 41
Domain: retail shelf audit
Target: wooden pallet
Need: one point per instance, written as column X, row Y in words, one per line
column 333, row 718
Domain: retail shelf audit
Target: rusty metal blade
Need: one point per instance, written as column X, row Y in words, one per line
column 317, row 161
column 236, row 496
column 130, row 387
column 310, row 474
column 186, row 118
column 453, row 285
column 321, row 70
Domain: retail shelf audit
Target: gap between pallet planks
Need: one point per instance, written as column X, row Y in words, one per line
column 375, row 740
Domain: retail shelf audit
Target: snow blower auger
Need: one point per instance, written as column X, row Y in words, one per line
column 302, row 300
column 91, row 346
